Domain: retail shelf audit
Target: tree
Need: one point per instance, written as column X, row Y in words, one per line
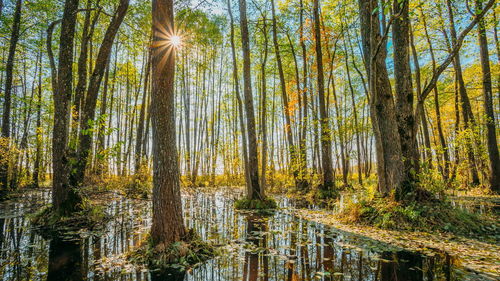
column 89, row 106
column 9, row 72
column 326, row 143
column 407, row 125
column 491, row 138
column 382, row 109
column 65, row 199
column 255, row 191
column 168, row 222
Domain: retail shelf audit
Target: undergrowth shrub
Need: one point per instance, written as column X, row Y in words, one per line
column 434, row 215
column 255, row 204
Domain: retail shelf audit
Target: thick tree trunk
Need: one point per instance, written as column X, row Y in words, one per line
column 491, row 139
column 253, row 165
column 326, row 142
column 404, row 98
column 65, row 199
column 168, row 223
column 9, row 74
column 382, row 109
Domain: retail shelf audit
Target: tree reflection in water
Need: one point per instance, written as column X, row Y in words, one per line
column 65, row 260
column 257, row 251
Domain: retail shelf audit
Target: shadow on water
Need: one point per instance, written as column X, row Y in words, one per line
column 274, row 247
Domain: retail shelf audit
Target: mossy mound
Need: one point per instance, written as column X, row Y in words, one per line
column 178, row 257
column 322, row 194
column 49, row 222
column 255, row 204
column 426, row 216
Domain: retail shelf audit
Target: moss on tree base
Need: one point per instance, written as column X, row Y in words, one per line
column 177, row 257
column 426, row 216
column 255, row 204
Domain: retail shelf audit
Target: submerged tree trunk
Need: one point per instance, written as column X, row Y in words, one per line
column 253, row 164
column 168, row 223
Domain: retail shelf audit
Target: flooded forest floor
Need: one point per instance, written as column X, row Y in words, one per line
column 293, row 243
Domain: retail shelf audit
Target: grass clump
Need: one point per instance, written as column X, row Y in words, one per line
column 139, row 185
column 255, row 204
column 433, row 215
column 177, row 257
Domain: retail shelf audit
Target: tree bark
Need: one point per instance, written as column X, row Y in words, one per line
column 168, row 223
column 382, row 109
column 253, row 165
column 139, row 153
column 326, row 143
column 9, row 74
column 65, row 199
column 88, row 112
column 407, row 125
column 491, row 139
column 466, row 106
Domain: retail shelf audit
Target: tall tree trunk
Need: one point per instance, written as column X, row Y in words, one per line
column 263, row 118
column 253, row 165
column 38, row 132
column 382, row 109
column 9, row 73
column 355, row 113
column 404, row 99
column 168, row 223
column 81, row 72
column 442, row 140
column 466, row 106
column 139, row 153
column 421, row 109
column 303, row 122
column 326, row 143
column 65, row 199
column 88, row 112
column 491, row 139
column 286, row 106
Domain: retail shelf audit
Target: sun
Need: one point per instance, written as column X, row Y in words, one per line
column 175, row 40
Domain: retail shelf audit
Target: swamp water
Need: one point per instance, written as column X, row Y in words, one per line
column 275, row 247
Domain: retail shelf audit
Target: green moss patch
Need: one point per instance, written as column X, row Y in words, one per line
column 255, row 204
column 425, row 216
column 177, row 257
